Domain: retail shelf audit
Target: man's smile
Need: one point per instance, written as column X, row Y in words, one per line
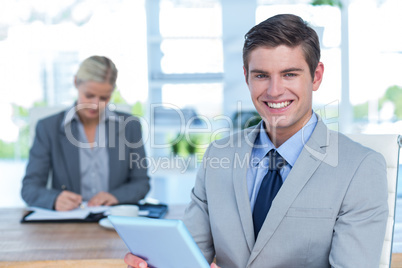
column 278, row 105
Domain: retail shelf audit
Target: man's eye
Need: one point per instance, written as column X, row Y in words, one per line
column 261, row 75
column 290, row 75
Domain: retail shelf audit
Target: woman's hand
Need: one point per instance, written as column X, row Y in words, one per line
column 67, row 200
column 103, row 199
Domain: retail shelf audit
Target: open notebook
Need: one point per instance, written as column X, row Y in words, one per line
column 87, row 214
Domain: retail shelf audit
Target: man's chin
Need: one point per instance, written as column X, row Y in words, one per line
column 276, row 121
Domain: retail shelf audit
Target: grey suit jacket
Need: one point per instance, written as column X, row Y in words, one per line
column 330, row 212
column 54, row 153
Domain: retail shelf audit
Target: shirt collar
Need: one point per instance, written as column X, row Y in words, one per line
column 290, row 149
column 71, row 115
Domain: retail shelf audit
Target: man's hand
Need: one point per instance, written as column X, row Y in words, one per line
column 103, row 199
column 135, row 262
column 67, row 200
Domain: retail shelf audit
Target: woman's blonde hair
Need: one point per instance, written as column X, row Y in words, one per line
column 98, row 69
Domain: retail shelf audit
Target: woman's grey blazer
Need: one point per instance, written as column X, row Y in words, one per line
column 55, row 153
column 330, row 212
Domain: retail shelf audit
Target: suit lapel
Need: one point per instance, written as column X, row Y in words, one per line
column 243, row 153
column 69, row 146
column 310, row 158
column 70, row 151
column 113, row 128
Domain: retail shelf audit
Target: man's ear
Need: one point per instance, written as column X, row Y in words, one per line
column 75, row 82
column 245, row 74
column 318, row 75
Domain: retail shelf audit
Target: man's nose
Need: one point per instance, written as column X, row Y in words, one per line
column 275, row 87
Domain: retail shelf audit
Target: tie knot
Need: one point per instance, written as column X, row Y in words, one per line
column 276, row 161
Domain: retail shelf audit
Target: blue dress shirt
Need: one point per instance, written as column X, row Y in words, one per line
column 289, row 150
column 94, row 162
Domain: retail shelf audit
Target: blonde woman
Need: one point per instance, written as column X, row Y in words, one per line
column 90, row 153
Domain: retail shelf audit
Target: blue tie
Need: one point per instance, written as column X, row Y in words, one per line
column 270, row 186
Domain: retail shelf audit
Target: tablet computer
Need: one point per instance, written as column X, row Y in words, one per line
column 164, row 243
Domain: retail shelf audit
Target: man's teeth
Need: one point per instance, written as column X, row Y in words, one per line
column 278, row 105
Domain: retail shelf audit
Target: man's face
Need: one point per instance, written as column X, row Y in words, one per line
column 281, row 88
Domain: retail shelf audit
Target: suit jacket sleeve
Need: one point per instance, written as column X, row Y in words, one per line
column 196, row 216
column 34, row 191
column 360, row 226
column 133, row 183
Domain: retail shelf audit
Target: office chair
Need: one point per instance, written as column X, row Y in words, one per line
column 388, row 145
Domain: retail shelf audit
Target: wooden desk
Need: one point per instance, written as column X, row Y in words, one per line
column 69, row 244
column 60, row 241
column 396, row 260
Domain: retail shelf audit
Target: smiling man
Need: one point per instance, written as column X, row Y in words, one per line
column 308, row 197
column 281, row 88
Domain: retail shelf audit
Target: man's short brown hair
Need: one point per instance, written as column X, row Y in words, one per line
column 285, row 29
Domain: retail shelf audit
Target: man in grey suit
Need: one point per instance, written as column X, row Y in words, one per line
column 331, row 207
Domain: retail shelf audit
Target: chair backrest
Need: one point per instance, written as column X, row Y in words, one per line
column 388, row 145
column 37, row 113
